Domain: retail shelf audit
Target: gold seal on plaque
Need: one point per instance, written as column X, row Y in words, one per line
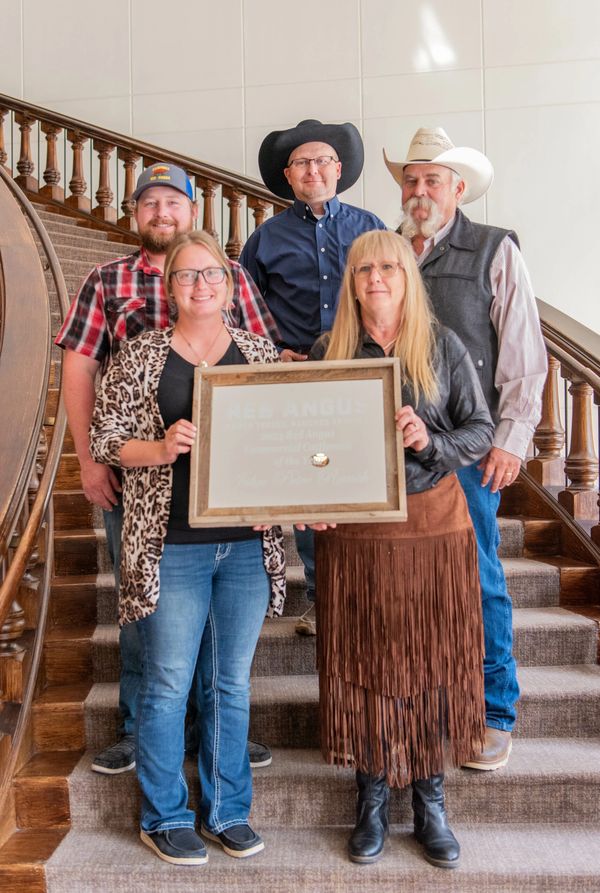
column 319, row 460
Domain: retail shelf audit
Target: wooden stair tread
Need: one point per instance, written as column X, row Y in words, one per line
column 51, row 764
column 81, row 533
column 58, row 695
column 81, row 632
column 31, row 847
column 74, row 580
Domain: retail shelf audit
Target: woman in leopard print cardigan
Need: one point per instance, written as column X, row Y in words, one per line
column 198, row 596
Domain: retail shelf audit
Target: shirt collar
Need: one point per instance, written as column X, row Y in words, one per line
column 141, row 263
column 430, row 243
column 302, row 210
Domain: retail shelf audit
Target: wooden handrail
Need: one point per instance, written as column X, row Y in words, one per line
column 26, row 334
column 44, row 491
column 148, row 151
column 37, row 520
column 573, row 338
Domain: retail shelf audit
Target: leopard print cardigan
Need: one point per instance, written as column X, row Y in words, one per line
column 127, row 407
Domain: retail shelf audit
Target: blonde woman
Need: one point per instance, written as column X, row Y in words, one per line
column 400, row 643
column 198, row 596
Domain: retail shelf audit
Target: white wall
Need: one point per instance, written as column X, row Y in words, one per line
column 519, row 79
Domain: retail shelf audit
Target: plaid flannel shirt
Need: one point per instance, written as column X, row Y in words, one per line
column 124, row 297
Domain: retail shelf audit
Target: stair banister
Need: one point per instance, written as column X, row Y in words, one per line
column 27, row 520
column 244, row 202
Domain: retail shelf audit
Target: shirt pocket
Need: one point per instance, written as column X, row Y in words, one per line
column 126, row 317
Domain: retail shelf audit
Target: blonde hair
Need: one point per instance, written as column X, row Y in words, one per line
column 195, row 237
column 415, row 342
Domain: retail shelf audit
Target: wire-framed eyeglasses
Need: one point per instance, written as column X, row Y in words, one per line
column 386, row 269
column 320, row 161
column 211, row 275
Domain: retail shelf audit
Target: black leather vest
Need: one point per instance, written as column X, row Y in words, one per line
column 457, row 277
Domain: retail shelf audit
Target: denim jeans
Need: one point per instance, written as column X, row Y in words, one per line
column 130, row 679
column 499, row 666
column 213, row 600
column 305, row 545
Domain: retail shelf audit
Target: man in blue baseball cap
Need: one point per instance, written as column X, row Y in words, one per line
column 164, row 175
column 117, row 301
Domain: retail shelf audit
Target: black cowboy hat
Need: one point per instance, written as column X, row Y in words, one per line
column 277, row 147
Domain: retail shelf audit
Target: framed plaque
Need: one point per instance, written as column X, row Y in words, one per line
column 297, row 442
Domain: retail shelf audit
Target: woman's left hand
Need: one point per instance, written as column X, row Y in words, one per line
column 413, row 430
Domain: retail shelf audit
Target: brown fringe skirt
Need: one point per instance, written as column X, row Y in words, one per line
column 400, row 640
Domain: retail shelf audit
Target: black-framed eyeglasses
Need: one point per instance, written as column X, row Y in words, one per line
column 211, row 275
column 386, row 269
column 320, row 161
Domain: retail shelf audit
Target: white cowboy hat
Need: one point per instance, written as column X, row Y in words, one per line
column 432, row 145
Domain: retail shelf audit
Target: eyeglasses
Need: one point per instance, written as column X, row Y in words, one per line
column 211, row 275
column 320, row 161
column 386, row 269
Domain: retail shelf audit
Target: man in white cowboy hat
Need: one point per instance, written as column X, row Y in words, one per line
column 297, row 258
column 479, row 286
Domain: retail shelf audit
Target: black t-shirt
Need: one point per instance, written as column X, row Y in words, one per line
column 175, row 395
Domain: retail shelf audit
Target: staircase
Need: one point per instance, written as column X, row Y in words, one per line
column 532, row 826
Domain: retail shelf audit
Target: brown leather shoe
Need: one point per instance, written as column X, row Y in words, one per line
column 496, row 751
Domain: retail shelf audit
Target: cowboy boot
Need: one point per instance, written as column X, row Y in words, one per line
column 372, row 823
column 431, row 823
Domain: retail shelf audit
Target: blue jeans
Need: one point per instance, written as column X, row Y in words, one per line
column 305, row 545
column 130, row 679
column 213, row 600
column 499, row 666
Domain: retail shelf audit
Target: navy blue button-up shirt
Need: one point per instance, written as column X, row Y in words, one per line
column 297, row 262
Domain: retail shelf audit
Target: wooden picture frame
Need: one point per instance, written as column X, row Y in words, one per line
column 297, row 442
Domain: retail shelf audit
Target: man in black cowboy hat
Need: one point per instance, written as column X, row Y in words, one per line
column 479, row 286
column 297, row 258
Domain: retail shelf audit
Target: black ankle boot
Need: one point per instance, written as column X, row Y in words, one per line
column 372, row 824
column 431, row 823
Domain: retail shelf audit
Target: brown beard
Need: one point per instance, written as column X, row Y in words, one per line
column 156, row 244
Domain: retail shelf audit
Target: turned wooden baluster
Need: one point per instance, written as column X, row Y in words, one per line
column 78, row 198
column 581, row 465
column 547, row 467
column 130, row 160
column 259, row 210
column 209, row 190
column 104, row 194
column 25, row 164
column 52, row 173
column 3, row 154
column 595, row 532
column 13, row 627
column 234, row 245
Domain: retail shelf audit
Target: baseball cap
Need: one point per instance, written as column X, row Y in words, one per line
column 164, row 175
